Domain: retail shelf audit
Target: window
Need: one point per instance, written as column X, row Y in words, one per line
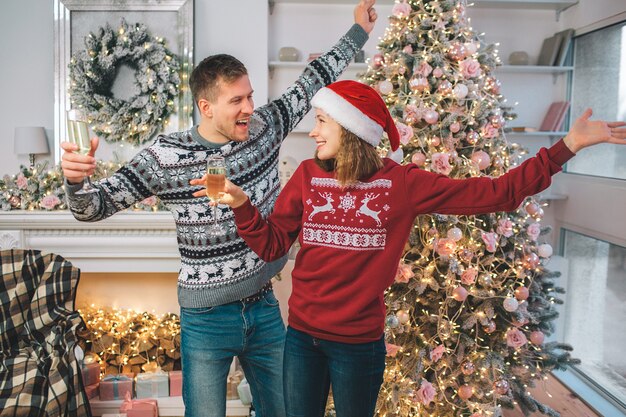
column 600, row 83
column 595, row 319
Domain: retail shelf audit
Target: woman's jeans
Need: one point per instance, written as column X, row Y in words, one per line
column 312, row 365
column 212, row 336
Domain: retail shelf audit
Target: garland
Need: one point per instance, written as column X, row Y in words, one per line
column 93, row 71
column 41, row 189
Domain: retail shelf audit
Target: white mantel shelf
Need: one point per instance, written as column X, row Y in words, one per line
column 125, row 242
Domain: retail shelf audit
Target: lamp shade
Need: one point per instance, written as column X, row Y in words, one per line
column 30, row 140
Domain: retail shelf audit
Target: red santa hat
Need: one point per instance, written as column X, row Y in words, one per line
column 360, row 109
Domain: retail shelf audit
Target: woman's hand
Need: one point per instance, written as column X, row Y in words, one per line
column 585, row 132
column 233, row 195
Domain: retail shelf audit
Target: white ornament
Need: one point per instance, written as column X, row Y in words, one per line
column 455, row 234
column 460, row 91
column 545, row 250
column 510, row 304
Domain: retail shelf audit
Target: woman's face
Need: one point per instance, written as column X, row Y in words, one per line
column 327, row 135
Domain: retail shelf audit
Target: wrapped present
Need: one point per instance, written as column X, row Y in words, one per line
column 243, row 389
column 139, row 408
column 90, row 373
column 92, row 391
column 115, row 387
column 176, row 383
column 152, row 385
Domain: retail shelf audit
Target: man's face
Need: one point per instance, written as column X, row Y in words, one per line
column 229, row 113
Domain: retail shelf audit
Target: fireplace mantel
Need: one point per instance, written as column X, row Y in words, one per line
column 126, row 242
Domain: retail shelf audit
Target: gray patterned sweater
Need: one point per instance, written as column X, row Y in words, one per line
column 217, row 270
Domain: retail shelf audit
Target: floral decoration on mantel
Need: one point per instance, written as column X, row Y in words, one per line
column 94, row 69
column 41, row 189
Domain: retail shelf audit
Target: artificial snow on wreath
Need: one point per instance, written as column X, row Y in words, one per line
column 94, row 69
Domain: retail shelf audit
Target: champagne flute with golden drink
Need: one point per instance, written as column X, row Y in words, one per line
column 78, row 133
column 215, row 182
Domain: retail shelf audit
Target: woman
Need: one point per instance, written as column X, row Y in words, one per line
column 352, row 212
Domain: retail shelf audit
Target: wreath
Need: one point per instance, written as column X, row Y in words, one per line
column 94, row 69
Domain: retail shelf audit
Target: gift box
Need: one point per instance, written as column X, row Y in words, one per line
column 176, row 383
column 243, row 389
column 92, row 391
column 139, row 408
column 90, row 373
column 152, row 385
column 115, row 387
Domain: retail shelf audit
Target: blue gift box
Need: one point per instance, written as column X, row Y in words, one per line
column 152, row 385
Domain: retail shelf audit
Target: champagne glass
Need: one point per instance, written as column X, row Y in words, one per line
column 215, row 182
column 78, row 133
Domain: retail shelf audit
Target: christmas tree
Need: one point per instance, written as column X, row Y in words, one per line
column 472, row 303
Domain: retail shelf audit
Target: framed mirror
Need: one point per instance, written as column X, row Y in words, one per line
column 169, row 21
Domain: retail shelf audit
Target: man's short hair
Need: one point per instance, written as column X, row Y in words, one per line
column 206, row 75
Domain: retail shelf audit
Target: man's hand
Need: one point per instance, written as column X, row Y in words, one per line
column 365, row 15
column 585, row 132
column 76, row 166
column 233, row 196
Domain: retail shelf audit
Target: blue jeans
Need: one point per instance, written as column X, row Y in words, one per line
column 312, row 365
column 212, row 336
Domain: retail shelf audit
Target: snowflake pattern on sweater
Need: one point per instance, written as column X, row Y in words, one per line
column 217, row 270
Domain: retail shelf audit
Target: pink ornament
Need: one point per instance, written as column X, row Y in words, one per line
column 491, row 241
column 481, row 159
column 49, row 202
column 392, row 350
column 435, row 141
column 521, row 293
column 445, row 247
column 385, row 87
column 456, row 51
column 437, row 353
column 496, row 121
column 418, row 159
column 424, row 69
column 440, row 163
column 490, row 327
column 418, row 83
column 455, row 127
column 431, row 117
column 401, row 10
column 465, row 392
column 455, row 234
column 531, row 208
column 426, row 393
column 472, row 137
column 468, row 368
column 403, row 316
column 378, row 60
column 470, row 68
column 406, row 132
column 445, row 88
column 531, row 261
column 459, row 293
column 437, row 72
column 537, row 337
column 501, row 386
column 467, row 255
column 408, row 49
column 544, row 251
column 533, row 230
column 505, row 227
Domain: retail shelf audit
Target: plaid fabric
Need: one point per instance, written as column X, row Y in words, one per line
column 39, row 373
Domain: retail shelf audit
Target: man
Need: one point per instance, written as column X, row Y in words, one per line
column 227, row 306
